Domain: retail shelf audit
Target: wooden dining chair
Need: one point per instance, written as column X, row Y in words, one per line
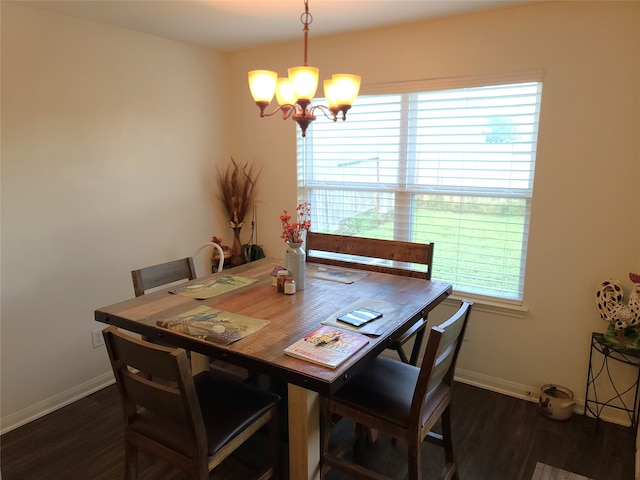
column 401, row 400
column 162, row 274
column 193, row 423
column 387, row 256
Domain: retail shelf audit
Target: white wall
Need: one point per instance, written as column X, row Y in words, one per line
column 585, row 222
column 109, row 145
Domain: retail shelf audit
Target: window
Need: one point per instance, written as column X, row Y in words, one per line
column 452, row 166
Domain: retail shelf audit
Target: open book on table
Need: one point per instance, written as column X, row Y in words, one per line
column 328, row 346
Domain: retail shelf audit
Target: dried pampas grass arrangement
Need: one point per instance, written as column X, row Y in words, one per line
column 237, row 191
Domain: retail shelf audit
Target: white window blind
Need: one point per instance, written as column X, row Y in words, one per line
column 450, row 166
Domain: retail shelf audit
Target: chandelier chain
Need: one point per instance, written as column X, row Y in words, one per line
column 306, row 19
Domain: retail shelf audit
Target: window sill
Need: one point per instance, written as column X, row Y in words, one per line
column 488, row 305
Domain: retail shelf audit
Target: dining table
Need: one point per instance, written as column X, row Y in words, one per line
column 328, row 292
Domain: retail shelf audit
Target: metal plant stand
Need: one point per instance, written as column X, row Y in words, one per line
column 605, row 352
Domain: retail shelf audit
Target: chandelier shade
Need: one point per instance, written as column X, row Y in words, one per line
column 262, row 84
column 285, row 94
column 304, row 81
column 294, row 94
column 346, row 87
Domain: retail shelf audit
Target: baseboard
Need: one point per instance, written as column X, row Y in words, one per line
column 54, row 403
column 529, row 393
column 497, row 385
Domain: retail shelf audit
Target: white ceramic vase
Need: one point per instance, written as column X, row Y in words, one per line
column 295, row 263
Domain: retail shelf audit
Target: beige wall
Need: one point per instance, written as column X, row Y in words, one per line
column 585, row 223
column 109, row 144
column 109, row 139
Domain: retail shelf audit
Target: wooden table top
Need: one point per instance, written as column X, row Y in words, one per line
column 290, row 318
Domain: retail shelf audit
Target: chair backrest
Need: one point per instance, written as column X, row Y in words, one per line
column 159, row 379
column 162, row 274
column 441, row 354
column 363, row 253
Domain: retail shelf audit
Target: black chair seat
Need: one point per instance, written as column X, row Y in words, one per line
column 384, row 390
column 235, row 407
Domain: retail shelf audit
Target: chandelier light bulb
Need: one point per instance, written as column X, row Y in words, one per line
column 305, row 81
column 330, row 94
column 262, row 84
column 345, row 87
column 284, row 92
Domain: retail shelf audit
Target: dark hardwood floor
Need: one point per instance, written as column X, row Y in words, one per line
column 496, row 437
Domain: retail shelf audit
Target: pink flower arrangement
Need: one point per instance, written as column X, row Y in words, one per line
column 292, row 232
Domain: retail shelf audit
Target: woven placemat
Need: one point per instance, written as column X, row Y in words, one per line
column 323, row 272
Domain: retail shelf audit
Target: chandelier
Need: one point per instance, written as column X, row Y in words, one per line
column 295, row 93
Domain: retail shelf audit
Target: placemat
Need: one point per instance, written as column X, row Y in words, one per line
column 376, row 327
column 213, row 325
column 218, row 286
column 324, row 272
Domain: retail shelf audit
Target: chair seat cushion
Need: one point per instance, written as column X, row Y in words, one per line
column 232, row 407
column 385, row 389
column 227, row 408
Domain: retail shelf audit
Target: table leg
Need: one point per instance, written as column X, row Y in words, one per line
column 304, row 433
column 637, row 455
column 199, row 363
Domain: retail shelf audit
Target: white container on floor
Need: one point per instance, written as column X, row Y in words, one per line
column 556, row 402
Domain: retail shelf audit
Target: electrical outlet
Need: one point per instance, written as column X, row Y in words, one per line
column 97, row 340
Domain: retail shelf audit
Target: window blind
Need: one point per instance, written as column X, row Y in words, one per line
column 450, row 166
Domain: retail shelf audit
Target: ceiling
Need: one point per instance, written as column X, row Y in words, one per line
column 230, row 25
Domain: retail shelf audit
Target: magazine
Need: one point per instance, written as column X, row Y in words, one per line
column 327, row 346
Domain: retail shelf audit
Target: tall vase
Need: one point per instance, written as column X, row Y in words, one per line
column 295, row 263
column 237, row 258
